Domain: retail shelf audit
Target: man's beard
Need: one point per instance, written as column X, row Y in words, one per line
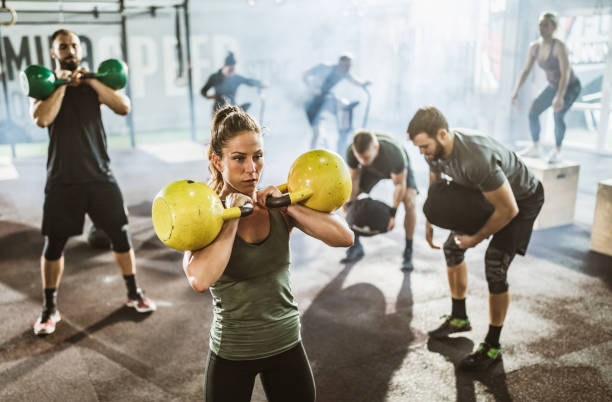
column 69, row 64
column 439, row 152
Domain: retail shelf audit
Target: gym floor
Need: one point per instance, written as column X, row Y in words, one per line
column 363, row 325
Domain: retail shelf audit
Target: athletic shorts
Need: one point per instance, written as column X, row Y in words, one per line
column 515, row 236
column 65, row 207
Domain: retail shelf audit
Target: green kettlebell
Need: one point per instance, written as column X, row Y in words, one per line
column 39, row 82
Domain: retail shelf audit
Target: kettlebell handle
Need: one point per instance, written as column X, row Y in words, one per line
column 288, row 199
column 278, row 202
column 86, row 75
column 246, row 209
column 237, row 212
column 68, row 80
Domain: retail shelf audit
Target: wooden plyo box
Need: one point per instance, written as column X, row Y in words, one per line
column 560, row 181
column 601, row 234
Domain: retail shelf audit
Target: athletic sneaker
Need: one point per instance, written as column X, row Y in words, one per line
column 353, row 254
column 407, row 265
column 450, row 326
column 45, row 324
column 532, row 151
column 482, row 358
column 141, row 303
column 554, row 156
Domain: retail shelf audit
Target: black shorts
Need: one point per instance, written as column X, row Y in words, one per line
column 515, row 236
column 367, row 179
column 65, row 207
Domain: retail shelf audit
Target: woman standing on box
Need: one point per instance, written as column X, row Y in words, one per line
column 562, row 90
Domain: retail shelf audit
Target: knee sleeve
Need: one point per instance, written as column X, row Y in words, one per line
column 120, row 240
column 452, row 253
column 496, row 269
column 54, row 247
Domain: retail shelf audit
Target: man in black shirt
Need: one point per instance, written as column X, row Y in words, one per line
column 79, row 178
column 226, row 83
column 373, row 157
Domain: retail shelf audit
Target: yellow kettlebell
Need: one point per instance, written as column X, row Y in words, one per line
column 188, row 215
column 319, row 179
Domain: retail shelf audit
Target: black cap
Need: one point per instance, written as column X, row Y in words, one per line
column 230, row 60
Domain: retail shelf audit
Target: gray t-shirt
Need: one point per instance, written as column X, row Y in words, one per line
column 481, row 162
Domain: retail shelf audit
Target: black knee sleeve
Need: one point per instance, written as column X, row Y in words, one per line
column 496, row 269
column 120, row 240
column 54, row 247
column 452, row 253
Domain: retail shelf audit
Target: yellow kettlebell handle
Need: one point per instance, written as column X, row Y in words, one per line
column 288, row 199
column 237, row 212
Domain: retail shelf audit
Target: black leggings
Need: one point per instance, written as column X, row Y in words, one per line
column 285, row 377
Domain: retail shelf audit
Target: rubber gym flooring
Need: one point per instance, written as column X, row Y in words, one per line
column 363, row 325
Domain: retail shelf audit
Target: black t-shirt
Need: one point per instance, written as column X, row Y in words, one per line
column 391, row 158
column 77, row 140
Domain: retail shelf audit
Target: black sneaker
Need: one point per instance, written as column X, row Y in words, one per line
column 407, row 265
column 450, row 326
column 482, row 358
column 353, row 254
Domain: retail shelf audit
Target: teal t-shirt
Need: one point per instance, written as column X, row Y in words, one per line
column 255, row 315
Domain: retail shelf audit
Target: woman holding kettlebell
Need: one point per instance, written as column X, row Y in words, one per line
column 256, row 325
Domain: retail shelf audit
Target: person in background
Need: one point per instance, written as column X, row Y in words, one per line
column 226, row 82
column 563, row 88
column 320, row 80
column 79, row 178
column 373, row 157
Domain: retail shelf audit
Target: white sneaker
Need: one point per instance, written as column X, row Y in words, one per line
column 532, row 151
column 141, row 303
column 45, row 324
column 554, row 156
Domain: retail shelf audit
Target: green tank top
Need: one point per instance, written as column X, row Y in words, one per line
column 255, row 315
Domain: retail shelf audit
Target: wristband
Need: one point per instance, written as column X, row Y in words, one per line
column 393, row 211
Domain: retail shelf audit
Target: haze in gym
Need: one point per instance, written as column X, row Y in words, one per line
column 365, row 323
